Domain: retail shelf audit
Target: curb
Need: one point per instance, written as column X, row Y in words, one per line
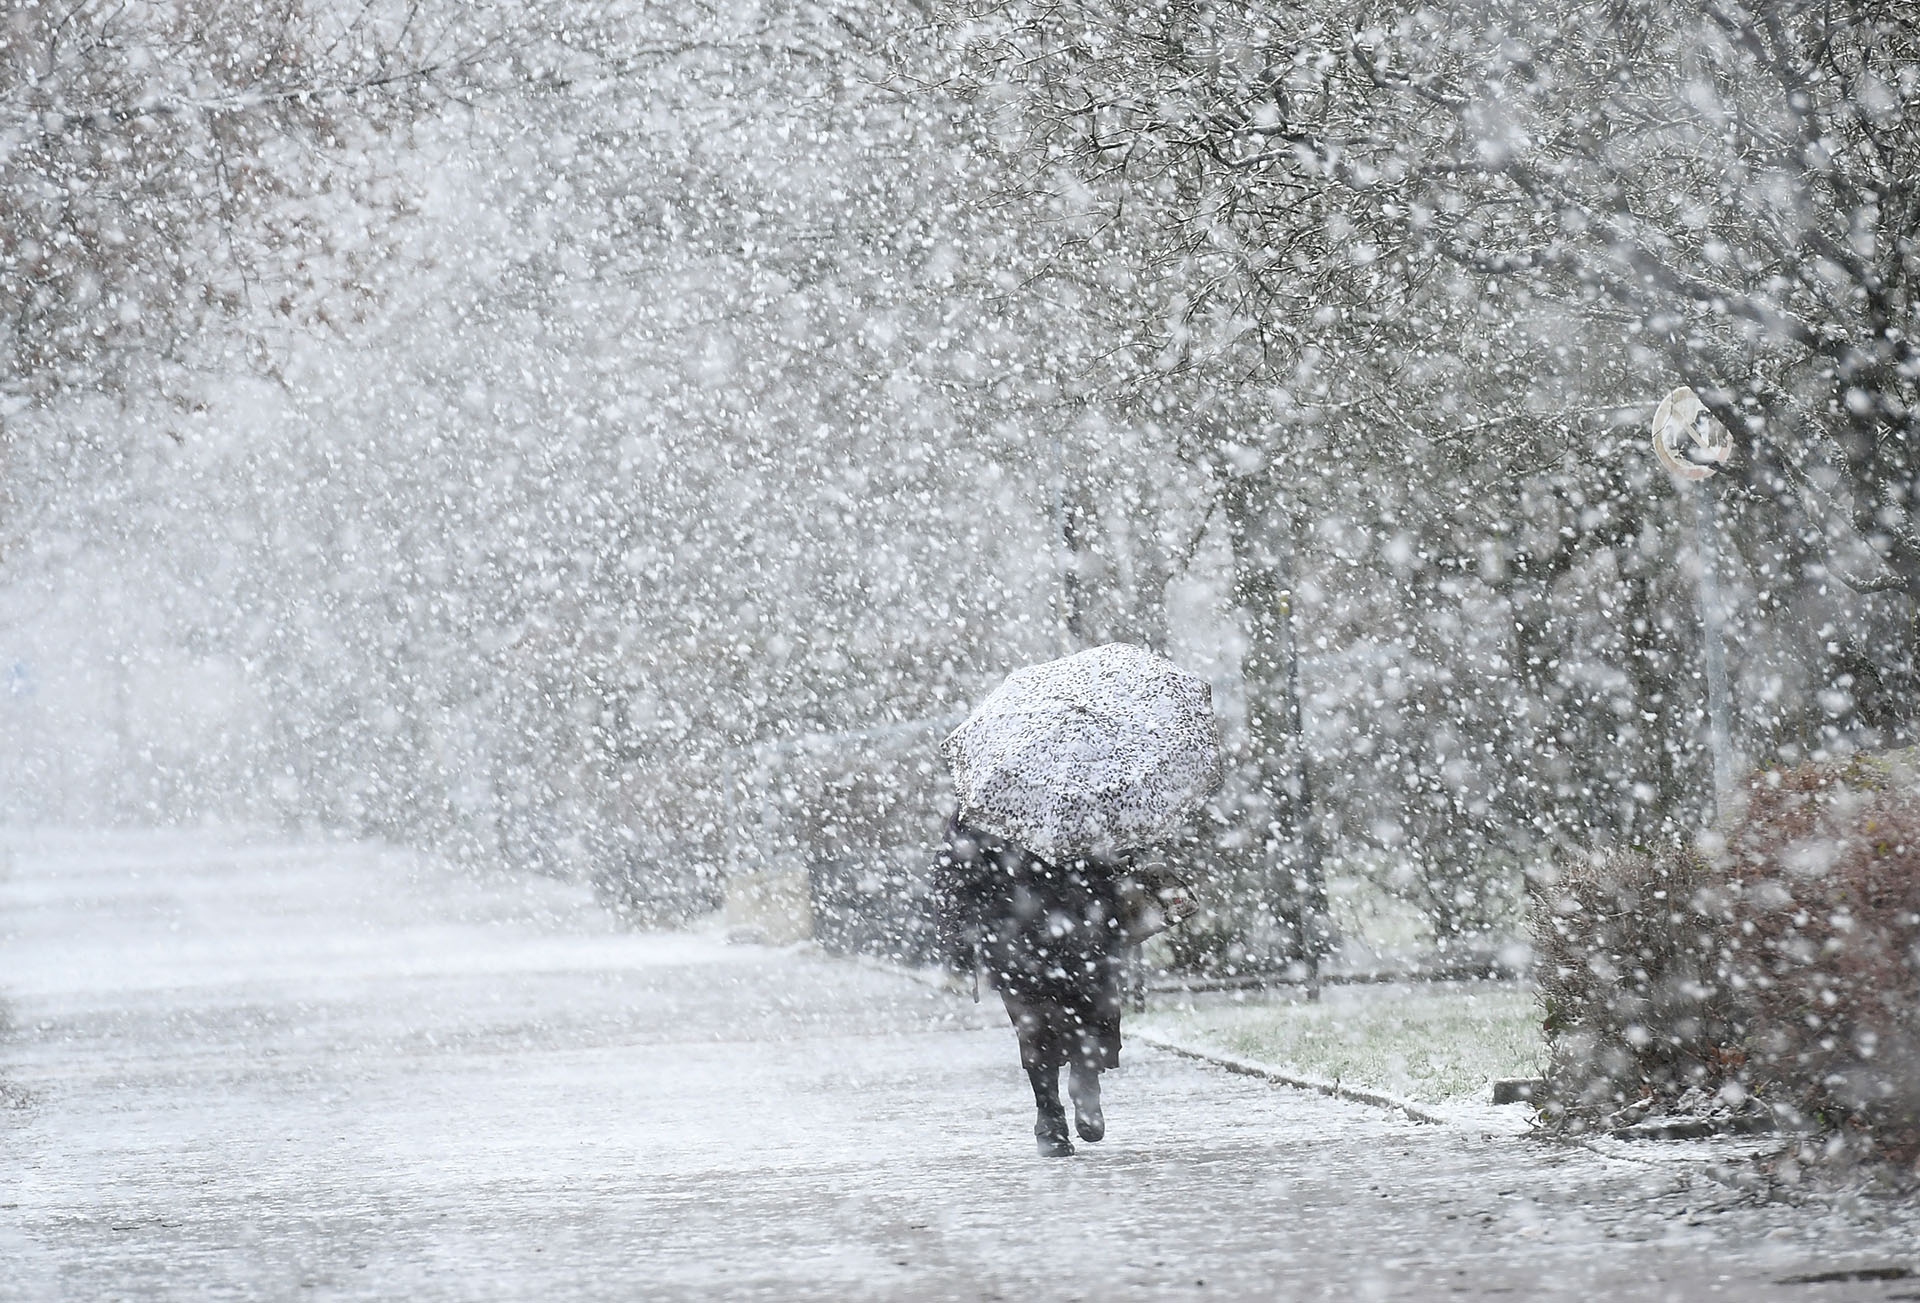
column 1338, row 1090
column 1244, row 1067
column 1603, row 1146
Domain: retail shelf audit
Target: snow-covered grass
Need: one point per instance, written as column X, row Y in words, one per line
column 1433, row 1043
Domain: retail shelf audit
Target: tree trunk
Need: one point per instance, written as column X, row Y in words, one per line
column 1087, row 579
column 1100, row 605
column 1284, row 842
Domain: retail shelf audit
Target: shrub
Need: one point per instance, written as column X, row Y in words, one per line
column 1819, row 881
column 1627, row 966
column 1780, row 959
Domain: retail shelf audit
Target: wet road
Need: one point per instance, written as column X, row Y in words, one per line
column 233, row 1070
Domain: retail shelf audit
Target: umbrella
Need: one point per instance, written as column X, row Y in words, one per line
column 1100, row 751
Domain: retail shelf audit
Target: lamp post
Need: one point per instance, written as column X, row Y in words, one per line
column 1691, row 445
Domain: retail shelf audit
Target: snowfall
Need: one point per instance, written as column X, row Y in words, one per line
column 501, row 502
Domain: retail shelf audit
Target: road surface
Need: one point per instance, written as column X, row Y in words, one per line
column 234, row 1069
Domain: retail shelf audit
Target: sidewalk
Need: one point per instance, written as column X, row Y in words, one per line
column 334, row 1073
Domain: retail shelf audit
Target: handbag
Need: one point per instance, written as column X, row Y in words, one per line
column 1152, row 898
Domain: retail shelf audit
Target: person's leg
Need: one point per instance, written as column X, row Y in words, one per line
column 1041, row 1055
column 1096, row 1047
column 1050, row 1116
column 1083, row 1087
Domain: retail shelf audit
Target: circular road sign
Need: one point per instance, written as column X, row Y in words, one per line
column 1687, row 438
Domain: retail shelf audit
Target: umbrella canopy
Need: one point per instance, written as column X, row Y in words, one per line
column 1099, row 751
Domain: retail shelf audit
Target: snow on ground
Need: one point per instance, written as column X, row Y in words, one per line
column 258, row 1071
column 1432, row 1043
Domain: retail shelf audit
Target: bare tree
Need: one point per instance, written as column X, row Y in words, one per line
column 1572, row 204
column 1452, row 253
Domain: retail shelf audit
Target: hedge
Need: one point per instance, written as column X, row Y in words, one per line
column 1773, row 968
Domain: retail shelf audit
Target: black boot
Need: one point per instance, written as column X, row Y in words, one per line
column 1050, row 1119
column 1050, row 1135
column 1083, row 1085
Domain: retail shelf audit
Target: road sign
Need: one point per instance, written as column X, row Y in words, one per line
column 1687, row 438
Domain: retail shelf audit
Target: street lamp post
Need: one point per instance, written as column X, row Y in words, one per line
column 1691, row 444
column 1715, row 653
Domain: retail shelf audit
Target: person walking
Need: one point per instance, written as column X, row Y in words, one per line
column 1063, row 770
column 1052, row 939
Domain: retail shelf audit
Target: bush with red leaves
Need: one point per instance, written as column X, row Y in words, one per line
column 1777, row 964
column 1819, row 884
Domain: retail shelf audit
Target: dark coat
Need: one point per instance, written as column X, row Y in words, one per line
column 1049, row 937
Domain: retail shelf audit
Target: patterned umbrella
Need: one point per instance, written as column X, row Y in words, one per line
column 1097, row 752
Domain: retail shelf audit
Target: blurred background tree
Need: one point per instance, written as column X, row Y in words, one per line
column 502, row 428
